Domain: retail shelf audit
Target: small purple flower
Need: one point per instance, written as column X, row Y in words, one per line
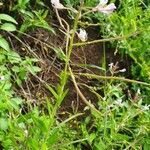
column 104, row 8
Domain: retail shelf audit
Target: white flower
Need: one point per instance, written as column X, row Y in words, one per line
column 145, row 107
column 111, row 66
column 82, row 35
column 120, row 103
column 122, row 70
column 103, row 2
column 26, row 132
column 2, row 78
column 56, row 4
column 106, row 9
column 138, row 91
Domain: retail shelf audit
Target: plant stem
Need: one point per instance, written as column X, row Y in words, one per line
column 105, row 40
column 72, row 37
column 93, row 76
column 68, row 59
column 91, row 106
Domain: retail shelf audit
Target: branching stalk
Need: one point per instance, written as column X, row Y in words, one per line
column 93, row 76
column 91, row 106
column 104, row 40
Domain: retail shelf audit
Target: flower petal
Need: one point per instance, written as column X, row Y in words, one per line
column 108, row 9
column 82, row 35
column 56, row 4
column 103, row 2
column 2, row 78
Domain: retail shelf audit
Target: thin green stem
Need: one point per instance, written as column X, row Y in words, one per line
column 68, row 59
column 88, row 24
column 72, row 37
column 90, row 11
column 93, row 76
column 104, row 40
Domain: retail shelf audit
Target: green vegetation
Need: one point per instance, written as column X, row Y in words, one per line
column 57, row 93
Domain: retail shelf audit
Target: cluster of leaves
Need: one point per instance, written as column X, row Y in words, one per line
column 6, row 24
column 14, row 70
column 33, row 130
column 124, row 120
column 132, row 17
column 123, row 123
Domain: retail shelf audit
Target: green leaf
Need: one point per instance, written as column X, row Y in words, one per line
column 14, row 57
column 146, row 146
column 28, row 14
column 33, row 143
column 15, row 102
column 33, row 69
column 92, row 136
column 8, row 27
column 52, row 91
column 44, row 146
column 18, row 81
column 7, row 18
column 22, row 73
column 3, row 124
column 2, row 57
column 53, row 137
column 4, row 44
column 15, row 69
column 60, row 54
column 7, row 86
column 43, row 24
column 40, row 124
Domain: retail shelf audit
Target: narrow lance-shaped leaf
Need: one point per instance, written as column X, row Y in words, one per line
column 7, row 18
column 4, row 44
column 8, row 27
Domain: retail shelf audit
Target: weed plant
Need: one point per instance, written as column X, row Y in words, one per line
column 120, row 118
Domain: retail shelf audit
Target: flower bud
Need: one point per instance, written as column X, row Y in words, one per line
column 82, row 35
